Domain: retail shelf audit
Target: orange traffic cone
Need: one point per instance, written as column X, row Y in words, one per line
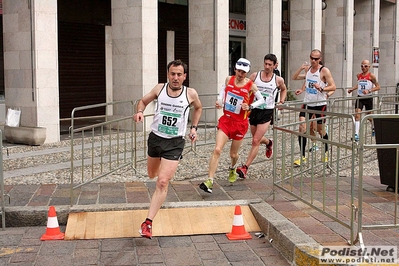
column 238, row 230
column 53, row 230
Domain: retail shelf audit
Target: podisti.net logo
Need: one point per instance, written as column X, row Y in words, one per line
column 358, row 255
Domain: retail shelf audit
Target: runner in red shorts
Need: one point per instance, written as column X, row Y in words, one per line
column 236, row 98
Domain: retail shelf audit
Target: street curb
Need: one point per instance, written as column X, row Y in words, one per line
column 23, row 216
column 296, row 246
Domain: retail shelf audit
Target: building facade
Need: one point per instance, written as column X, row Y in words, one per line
column 63, row 54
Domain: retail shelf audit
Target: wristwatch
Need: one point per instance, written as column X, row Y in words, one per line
column 195, row 127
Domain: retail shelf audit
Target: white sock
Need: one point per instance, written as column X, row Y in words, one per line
column 357, row 125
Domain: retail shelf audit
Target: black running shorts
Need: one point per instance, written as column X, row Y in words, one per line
column 368, row 103
column 170, row 149
column 318, row 108
column 260, row 116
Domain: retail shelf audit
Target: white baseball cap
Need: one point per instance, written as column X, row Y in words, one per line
column 243, row 64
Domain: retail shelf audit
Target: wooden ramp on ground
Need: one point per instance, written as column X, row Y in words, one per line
column 168, row 222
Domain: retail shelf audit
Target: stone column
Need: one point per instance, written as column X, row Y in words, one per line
column 305, row 35
column 347, row 77
column 108, row 69
column 388, row 72
column 338, row 43
column 275, row 29
column 396, row 46
column 376, row 31
column 208, row 48
column 135, row 50
column 316, row 25
column 362, row 39
column 31, row 62
column 259, row 30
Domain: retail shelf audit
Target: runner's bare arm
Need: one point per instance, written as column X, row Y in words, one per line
column 141, row 105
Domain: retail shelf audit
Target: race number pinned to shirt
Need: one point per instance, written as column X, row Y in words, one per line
column 363, row 84
column 233, row 102
column 266, row 97
column 169, row 123
column 310, row 87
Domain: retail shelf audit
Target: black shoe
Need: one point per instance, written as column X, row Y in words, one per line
column 390, row 189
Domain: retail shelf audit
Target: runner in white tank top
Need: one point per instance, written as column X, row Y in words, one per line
column 366, row 84
column 318, row 83
column 166, row 140
column 313, row 96
column 171, row 114
column 268, row 89
column 261, row 117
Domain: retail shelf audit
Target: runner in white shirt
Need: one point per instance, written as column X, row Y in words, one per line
column 167, row 138
column 318, row 83
column 366, row 84
column 261, row 117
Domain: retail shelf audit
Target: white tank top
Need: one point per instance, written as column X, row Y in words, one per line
column 171, row 114
column 312, row 94
column 268, row 90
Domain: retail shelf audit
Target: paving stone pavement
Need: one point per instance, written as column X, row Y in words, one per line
column 285, row 220
column 21, row 245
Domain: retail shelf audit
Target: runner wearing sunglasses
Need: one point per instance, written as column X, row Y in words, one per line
column 366, row 84
column 318, row 83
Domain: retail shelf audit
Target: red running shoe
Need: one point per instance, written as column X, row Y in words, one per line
column 242, row 171
column 146, row 229
column 269, row 149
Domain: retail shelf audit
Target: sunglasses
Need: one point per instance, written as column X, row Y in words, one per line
column 364, row 65
column 314, row 58
column 242, row 64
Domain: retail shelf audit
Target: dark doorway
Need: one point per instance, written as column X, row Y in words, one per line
column 172, row 17
column 81, row 48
